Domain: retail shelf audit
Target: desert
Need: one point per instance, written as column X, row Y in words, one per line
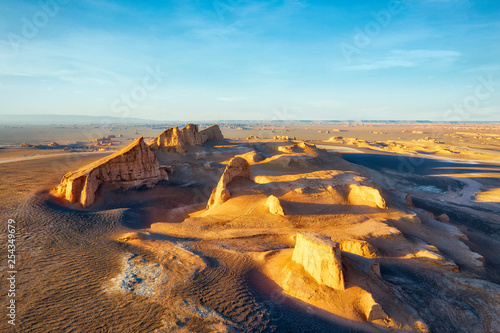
column 232, row 166
column 222, row 233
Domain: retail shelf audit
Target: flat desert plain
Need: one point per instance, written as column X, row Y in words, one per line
column 280, row 227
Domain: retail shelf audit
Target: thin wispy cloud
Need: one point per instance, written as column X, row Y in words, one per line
column 407, row 58
column 487, row 68
column 231, row 99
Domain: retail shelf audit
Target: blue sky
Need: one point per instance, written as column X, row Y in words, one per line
column 232, row 59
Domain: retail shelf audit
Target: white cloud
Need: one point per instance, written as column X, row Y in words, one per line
column 407, row 58
column 425, row 54
column 382, row 64
column 231, row 99
column 485, row 68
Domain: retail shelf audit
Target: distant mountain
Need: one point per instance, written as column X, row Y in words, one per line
column 56, row 119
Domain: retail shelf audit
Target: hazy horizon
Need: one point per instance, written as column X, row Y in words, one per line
column 58, row 119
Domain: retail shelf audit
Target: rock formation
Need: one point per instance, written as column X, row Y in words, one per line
column 372, row 310
column 175, row 139
column 283, row 138
column 335, row 138
column 105, row 141
column 288, row 149
column 408, row 200
column 321, row 258
column 134, row 165
column 305, row 145
column 237, row 167
column 253, row 157
column 211, row 133
column 359, row 247
column 365, row 195
column 274, row 205
column 443, row 218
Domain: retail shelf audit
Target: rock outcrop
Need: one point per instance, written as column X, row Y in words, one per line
column 132, row 166
column 372, row 310
column 211, row 133
column 274, row 205
column 237, row 167
column 443, row 218
column 335, row 139
column 408, row 200
column 175, row 139
column 365, row 195
column 358, row 247
column 284, row 138
column 321, row 258
column 253, row 157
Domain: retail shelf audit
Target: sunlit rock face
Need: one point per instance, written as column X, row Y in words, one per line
column 211, row 133
column 274, row 205
column 237, row 167
column 358, row 247
column 132, row 166
column 373, row 311
column 321, row 258
column 365, row 195
column 253, row 157
column 176, row 139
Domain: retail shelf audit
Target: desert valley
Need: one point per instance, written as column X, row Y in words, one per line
column 254, row 227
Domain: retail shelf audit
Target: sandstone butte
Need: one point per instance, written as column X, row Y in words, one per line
column 176, row 139
column 321, row 258
column 365, row 195
column 237, row 167
column 132, row 166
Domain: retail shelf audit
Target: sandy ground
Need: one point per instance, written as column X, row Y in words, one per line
column 184, row 269
column 17, row 155
column 471, row 142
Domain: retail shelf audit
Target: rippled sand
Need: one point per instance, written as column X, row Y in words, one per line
column 65, row 257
